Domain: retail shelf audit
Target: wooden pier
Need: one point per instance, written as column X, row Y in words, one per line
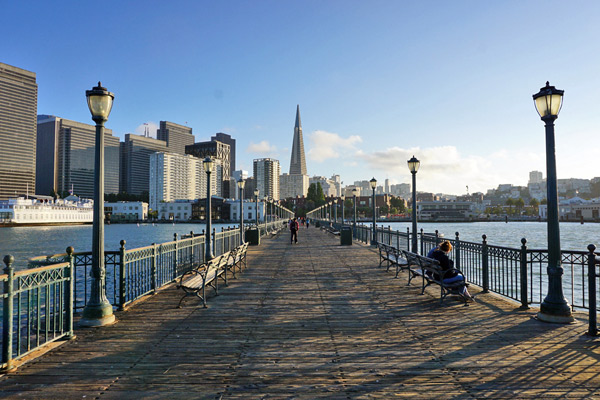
column 317, row 320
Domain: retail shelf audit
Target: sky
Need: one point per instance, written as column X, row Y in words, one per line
column 449, row 82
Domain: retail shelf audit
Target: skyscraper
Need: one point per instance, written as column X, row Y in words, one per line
column 177, row 136
column 18, row 111
column 65, row 157
column 298, row 161
column 227, row 139
column 216, row 150
column 135, row 162
column 266, row 175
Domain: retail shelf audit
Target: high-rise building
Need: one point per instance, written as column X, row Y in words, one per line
column 218, row 151
column 298, row 161
column 386, row 188
column 235, row 177
column 227, row 139
column 266, row 175
column 18, row 111
column 135, row 162
column 536, row 177
column 177, row 136
column 293, row 186
column 180, row 177
column 66, row 154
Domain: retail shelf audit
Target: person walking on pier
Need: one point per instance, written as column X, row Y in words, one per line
column 294, row 230
column 441, row 254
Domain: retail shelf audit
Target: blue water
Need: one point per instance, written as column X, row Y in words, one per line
column 27, row 242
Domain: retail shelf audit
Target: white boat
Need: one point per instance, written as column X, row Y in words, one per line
column 44, row 210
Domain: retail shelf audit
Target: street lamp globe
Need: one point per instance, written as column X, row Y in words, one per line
column 100, row 102
column 414, row 164
column 256, row 192
column 373, row 183
column 241, row 183
column 548, row 101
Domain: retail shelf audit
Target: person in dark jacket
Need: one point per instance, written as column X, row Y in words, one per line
column 441, row 254
column 294, row 230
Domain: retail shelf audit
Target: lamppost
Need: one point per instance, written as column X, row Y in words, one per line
column 343, row 206
column 373, row 183
column 335, row 207
column 554, row 308
column 98, row 310
column 413, row 166
column 208, row 166
column 266, row 199
column 241, row 184
column 354, row 191
column 256, row 193
column 330, row 211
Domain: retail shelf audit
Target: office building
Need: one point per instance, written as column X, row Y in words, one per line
column 298, row 160
column 217, row 151
column 292, row 186
column 225, row 138
column 536, row 177
column 135, row 162
column 66, row 156
column 180, row 177
column 177, row 136
column 266, row 175
column 233, row 189
column 18, row 111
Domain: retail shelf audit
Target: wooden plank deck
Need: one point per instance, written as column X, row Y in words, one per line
column 317, row 320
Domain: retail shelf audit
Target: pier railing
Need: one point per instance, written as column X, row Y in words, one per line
column 38, row 304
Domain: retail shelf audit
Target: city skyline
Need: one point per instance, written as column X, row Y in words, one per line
column 451, row 83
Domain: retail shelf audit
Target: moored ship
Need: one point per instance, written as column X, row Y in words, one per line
column 45, row 210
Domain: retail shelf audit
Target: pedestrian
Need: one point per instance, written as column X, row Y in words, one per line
column 294, row 230
column 307, row 223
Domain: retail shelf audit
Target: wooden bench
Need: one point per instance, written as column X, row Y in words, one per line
column 330, row 229
column 430, row 272
column 194, row 282
column 237, row 259
column 392, row 257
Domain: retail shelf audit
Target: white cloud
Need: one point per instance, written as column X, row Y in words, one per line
column 150, row 126
column 326, row 145
column 263, row 148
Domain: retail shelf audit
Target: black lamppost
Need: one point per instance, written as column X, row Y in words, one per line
column 413, row 166
column 373, row 183
column 554, row 308
column 208, row 167
column 343, row 206
column 98, row 310
column 241, row 184
column 265, row 199
column 354, row 192
column 256, row 193
column 335, row 207
column 330, row 211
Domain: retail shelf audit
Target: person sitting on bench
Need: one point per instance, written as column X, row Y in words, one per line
column 441, row 254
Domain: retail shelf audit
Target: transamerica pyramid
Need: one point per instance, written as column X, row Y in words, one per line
column 298, row 161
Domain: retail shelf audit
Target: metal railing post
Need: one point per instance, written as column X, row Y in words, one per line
column 407, row 238
column 69, row 290
column 175, row 257
column 7, row 333
column 153, row 266
column 485, row 266
column 422, row 242
column 457, row 251
column 214, row 241
column 592, row 275
column 437, row 238
column 122, row 276
column 524, row 301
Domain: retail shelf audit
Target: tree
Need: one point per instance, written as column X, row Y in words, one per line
column 520, row 203
column 398, row 204
column 510, row 202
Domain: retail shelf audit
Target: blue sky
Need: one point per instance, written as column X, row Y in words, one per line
column 377, row 81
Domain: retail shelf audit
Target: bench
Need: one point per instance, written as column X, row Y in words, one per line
column 330, row 229
column 392, row 257
column 237, row 259
column 428, row 269
column 194, row 282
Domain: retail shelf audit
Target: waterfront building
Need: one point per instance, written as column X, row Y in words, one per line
column 292, row 186
column 266, row 175
column 18, row 110
column 250, row 210
column 446, row 210
column 65, row 157
column 180, row 177
column 135, row 162
column 179, row 210
column 298, row 160
column 176, row 136
column 219, row 210
column 126, row 211
column 217, row 151
column 44, row 210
